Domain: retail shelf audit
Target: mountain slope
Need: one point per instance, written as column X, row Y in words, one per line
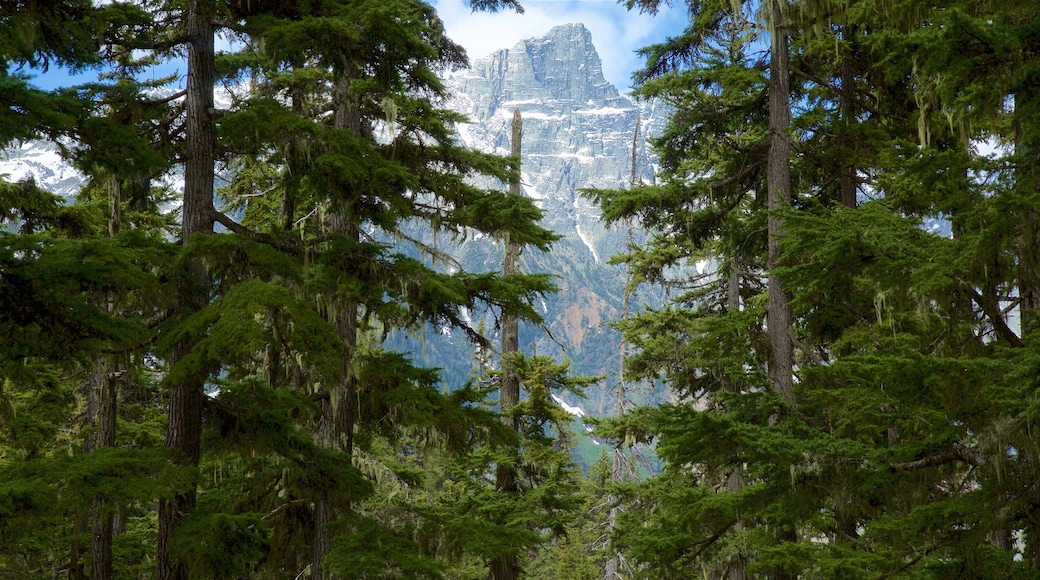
column 578, row 132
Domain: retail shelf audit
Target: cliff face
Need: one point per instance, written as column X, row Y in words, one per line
column 559, row 68
column 578, row 132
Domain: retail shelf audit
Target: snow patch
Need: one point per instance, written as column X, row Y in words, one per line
column 514, row 104
column 584, row 240
column 576, row 411
column 530, row 115
column 603, row 111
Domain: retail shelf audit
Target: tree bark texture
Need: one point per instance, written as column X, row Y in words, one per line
column 507, row 567
column 778, row 316
column 339, row 408
column 184, row 429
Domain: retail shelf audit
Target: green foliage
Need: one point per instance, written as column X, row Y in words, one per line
column 221, row 545
column 276, row 325
column 895, row 452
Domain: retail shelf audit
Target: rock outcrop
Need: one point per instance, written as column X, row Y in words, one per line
column 578, row 132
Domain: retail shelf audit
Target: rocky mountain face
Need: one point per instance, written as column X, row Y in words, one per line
column 578, row 132
column 43, row 162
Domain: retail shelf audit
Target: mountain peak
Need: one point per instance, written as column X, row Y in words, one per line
column 561, row 66
column 571, row 29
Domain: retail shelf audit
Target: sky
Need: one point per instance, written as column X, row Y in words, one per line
column 616, row 32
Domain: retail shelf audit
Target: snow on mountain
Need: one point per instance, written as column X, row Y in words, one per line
column 42, row 162
column 577, row 128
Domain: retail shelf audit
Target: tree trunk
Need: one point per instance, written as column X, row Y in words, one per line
column 338, row 410
column 102, row 394
column 1027, row 183
column 620, row 470
column 76, row 570
column 778, row 179
column 507, row 567
column 846, row 99
column 110, row 370
column 101, row 542
column 781, row 338
column 184, row 428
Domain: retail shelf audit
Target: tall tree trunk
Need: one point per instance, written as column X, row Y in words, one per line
column 507, row 567
column 102, row 395
column 338, row 409
column 1027, row 183
column 184, row 428
column 781, row 338
column 778, row 179
column 620, row 470
column 111, row 369
column 847, row 104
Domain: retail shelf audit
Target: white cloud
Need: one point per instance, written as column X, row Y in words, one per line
column 616, row 32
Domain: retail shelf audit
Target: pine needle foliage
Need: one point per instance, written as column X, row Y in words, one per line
column 909, row 266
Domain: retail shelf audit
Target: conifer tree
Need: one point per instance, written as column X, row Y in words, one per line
column 100, row 292
column 892, row 466
column 507, row 567
column 257, row 310
column 376, row 72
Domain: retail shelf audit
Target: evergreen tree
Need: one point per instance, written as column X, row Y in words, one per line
column 891, row 452
column 277, row 406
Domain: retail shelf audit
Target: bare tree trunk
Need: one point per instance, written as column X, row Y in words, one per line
column 781, row 338
column 507, row 567
column 781, row 359
column 184, row 428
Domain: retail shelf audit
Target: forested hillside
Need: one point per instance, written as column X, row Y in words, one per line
column 198, row 376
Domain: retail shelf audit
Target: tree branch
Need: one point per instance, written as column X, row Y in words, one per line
column 960, row 452
column 283, row 507
column 238, row 228
column 164, row 100
column 992, row 312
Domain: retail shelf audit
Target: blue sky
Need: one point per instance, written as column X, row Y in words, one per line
column 616, row 33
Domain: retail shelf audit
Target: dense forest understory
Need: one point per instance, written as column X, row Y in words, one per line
column 193, row 377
